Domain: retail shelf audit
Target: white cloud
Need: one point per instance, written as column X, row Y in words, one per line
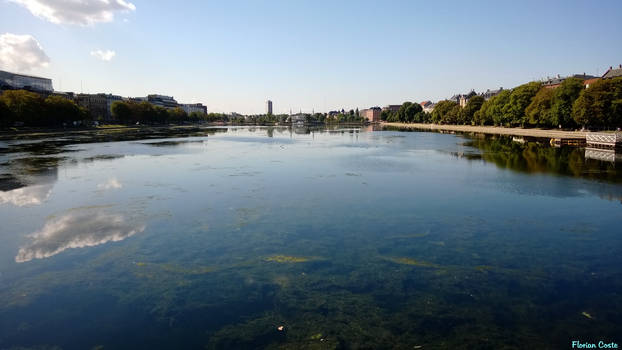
column 76, row 229
column 80, row 12
column 103, row 55
column 27, row 196
column 21, row 53
column 110, row 185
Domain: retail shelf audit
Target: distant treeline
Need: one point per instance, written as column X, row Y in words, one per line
column 131, row 112
column 352, row 116
column 30, row 109
column 570, row 105
column 20, row 107
column 408, row 113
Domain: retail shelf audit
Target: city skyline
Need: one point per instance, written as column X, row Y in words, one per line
column 322, row 58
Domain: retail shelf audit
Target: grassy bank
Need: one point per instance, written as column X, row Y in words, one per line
column 552, row 133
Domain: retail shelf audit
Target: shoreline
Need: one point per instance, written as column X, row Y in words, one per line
column 494, row 130
column 491, row 130
column 134, row 130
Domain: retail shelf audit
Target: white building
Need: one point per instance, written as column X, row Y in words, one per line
column 298, row 118
column 10, row 80
column 162, row 101
column 194, row 107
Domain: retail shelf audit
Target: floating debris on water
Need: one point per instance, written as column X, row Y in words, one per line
column 287, row 259
column 316, row 336
column 483, row 268
column 414, row 235
column 177, row 269
column 587, row 315
column 412, row 262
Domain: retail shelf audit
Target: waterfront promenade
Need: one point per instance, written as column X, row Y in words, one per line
column 551, row 133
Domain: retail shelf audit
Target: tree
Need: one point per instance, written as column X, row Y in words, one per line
column 60, row 110
column 481, row 117
column 496, row 110
column 401, row 112
column 385, row 114
column 198, row 116
column 600, row 105
column 475, row 104
column 122, row 111
column 24, row 106
column 441, row 109
column 160, row 115
column 563, row 99
column 412, row 111
column 6, row 117
column 520, row 98
column 177, row 115
column 424, row 117
column 144, row 112
column 539, row 110
column 453, row 115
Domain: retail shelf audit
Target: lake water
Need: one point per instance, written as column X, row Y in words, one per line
column 346, row 238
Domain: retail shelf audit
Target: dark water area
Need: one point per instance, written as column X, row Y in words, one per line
column 281, row 238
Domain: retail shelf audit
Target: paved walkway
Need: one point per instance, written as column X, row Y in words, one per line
column 494, row 130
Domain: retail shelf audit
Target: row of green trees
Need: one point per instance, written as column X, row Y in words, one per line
column 316, row 118
column 131, row 112
column 532, row 105
column 21, row 107
column 450, row 112
column 30, row 109
column 407, row 113
column 352, row 116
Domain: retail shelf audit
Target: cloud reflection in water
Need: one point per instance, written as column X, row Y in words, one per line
column 76, row 229
column 25, row 196
column 111, row 184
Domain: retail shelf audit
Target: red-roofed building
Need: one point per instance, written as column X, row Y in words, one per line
column 589, row 82
column 372, row 114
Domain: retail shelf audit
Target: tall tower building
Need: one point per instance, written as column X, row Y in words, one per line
column 268, row 107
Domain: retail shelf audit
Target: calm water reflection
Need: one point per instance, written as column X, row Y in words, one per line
column 347, row 238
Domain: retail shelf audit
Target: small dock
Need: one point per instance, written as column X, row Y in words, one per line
column 603, row 140
column 568, row 141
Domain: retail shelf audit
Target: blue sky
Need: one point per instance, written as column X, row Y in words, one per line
column 321, row 55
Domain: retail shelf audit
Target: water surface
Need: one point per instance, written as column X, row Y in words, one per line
column 347, row 238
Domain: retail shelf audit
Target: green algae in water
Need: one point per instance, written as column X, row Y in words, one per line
column 411, row 262
column 177, row 269
column 361, row 299
column 317, row 336
column 414, row 235
column 483, row 268
column 288, row 259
